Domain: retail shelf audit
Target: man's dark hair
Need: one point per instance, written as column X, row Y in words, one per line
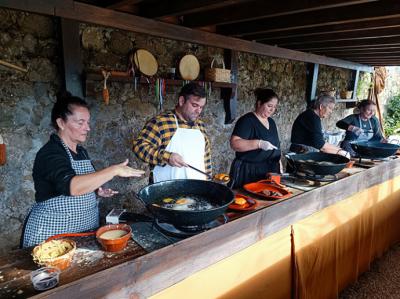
column 192, row 89
column 63, row 107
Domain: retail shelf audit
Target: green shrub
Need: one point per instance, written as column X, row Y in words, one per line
column 392, row 117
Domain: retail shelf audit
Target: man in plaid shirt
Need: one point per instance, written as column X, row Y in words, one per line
column 175, row 139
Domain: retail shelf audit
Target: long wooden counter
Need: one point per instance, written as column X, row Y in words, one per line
column 142, row 276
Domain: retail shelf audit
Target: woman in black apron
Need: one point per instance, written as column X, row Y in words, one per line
column 363, row 126
column 256, row 142
column 65, row 179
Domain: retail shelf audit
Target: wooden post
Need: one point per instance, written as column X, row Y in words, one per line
column 71, row 52
column 312, row 78
column 229, row 95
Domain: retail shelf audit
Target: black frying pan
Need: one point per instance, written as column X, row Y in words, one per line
column 318, row 166
column 217, row 194
column 374, row 149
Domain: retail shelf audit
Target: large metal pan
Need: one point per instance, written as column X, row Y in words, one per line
column 317, row 163
column 374, row 149
column 217, row 194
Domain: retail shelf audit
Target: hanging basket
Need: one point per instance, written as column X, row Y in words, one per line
column 217, row 74
column 346, row 94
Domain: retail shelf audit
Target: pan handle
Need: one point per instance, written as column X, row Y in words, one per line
column 139, row 199
column 290, row 162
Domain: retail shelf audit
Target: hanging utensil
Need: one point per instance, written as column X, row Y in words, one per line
column 106, row 94
column 13, row 66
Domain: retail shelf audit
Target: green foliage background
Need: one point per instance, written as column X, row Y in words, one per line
column 392, row 117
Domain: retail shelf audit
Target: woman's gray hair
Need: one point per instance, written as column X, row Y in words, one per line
column 324, row 100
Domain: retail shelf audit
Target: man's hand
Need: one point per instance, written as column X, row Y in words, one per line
column 176, row 160
column 266, row 145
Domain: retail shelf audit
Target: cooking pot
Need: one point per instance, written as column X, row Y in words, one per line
column 317, row 163
column 216, row 194
column 374, row 149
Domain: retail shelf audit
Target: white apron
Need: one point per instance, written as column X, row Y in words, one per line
column 190, row 144
column 365, row 136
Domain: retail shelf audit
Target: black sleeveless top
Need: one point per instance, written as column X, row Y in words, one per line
column 253, row 165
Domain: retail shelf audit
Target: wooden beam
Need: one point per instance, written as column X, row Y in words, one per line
column 339, row 15
column 312, row 79
column 161, row 8
column 368, row 55
column 334, row 52
column 393, row 22
column 348, row 35
column 72, row 62
column 368, row 42
column 105, row 17
column 261, row 9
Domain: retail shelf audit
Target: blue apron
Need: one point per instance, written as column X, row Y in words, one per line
column 63, row 214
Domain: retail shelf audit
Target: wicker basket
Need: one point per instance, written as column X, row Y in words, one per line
column 329, row 92
column 346, row 94
column 217, row 74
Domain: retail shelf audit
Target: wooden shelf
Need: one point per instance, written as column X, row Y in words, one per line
column 173, row 82
column 346, row 100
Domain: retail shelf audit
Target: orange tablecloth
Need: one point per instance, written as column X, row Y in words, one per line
column 329, row 248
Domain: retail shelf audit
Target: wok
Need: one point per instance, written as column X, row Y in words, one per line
column 302, row 163
column 374, row 149
column 215, row 193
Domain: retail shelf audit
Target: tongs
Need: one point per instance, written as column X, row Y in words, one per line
column 213, row 178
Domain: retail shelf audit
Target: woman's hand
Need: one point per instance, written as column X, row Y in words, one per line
column 356, row 130
column 266, row 145
column 106, row 192
column 123, row 170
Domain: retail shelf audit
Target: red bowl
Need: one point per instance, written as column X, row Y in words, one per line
column 114, row 245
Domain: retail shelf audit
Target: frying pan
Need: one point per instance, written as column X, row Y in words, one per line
column 374, row 149
column 215, row 193
column 302, row 163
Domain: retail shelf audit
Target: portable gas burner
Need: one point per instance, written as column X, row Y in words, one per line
column 187, row 231
column 368, row 161
column 316, row 177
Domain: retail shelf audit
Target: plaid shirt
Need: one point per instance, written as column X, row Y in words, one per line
column 152, row 140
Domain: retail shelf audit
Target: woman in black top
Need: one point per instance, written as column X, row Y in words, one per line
column 307, row 134
column 363, row 126
column 65, row 179
column 256, row 142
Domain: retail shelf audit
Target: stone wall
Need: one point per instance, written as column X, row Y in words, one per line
column 26, row 101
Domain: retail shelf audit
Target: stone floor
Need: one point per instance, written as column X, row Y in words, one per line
column 381, row 281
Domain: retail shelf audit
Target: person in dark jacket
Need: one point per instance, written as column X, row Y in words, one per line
column 307, row 133
column 256, row 142
column 362, row 126
column 65, row 179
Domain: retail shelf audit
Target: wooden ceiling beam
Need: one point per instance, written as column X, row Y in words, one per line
column 327, row 52
column 128, row 6
column 392, row 22
column 349, row 56
column 162, row 8
column 110, row 18
column 347, row 52
column 261, row 9
column 352, row 35
column 363, row 43
column 339, row 15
